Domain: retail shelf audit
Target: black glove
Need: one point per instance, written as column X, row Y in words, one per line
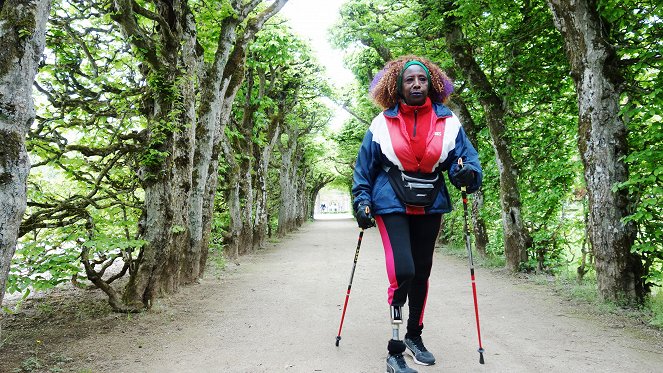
column 364, row 218
column 464, row 177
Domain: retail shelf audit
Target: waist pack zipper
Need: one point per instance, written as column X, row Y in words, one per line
column 419, row 186
column 426, row 181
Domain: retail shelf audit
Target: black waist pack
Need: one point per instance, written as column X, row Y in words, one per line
column 415, row 188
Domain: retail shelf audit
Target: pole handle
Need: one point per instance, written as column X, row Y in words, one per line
column 462, row 189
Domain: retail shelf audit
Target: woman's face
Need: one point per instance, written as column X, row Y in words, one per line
column 415, row 85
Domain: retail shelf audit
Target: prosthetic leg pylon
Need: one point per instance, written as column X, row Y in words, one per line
column 396, row 321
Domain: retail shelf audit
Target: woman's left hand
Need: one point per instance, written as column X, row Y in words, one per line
column 464, row 177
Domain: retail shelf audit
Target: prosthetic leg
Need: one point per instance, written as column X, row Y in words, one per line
column 396, row 345
column 396, row 321
column 395, row 361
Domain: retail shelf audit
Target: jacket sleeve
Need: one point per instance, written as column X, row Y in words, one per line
column 466, row 151
column 366, row 169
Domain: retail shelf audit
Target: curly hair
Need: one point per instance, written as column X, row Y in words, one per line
column 384, row 87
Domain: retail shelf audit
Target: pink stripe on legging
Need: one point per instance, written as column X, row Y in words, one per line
column 423, row 306
column 388, row 258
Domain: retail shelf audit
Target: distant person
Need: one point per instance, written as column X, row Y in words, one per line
column 398, row 184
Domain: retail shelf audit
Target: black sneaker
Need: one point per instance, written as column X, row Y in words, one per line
column 396, row 364
column 418, row 351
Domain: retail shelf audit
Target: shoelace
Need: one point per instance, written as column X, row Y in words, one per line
column 419, row 344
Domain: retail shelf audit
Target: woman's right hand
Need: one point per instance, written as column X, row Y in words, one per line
column 364, row 217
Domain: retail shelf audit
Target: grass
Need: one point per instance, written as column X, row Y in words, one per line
column 490, row 261
column 216, row 260
column 35, row 364
column 655, row 304
column 567, row 285
column 586, row 292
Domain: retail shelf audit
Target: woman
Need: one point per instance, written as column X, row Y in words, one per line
column 398, row 185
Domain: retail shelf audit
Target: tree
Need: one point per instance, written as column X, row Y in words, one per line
column 273, row 89
column 22, row 29
column 308, row 116
column 169, row 68
column 99, row 133
column 635, row 28
column 86, row 144
column 516, row 237
column 181, row 178
column 602, row 140
column 222, row 79
column 251, row 135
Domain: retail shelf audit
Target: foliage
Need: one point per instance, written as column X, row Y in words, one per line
column 83, row 186
column 277, row 109
column 655, row 303
column 521, row 53
column 636, row 28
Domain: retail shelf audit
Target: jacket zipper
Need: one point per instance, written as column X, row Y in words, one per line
column 414, row 131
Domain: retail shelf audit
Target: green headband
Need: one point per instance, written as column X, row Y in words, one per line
column 408, row 64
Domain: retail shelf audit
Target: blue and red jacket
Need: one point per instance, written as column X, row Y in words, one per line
column 387, row 144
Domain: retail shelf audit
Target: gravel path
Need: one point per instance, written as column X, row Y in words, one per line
column 279, row 312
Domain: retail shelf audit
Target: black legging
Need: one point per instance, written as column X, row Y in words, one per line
column 409, row 242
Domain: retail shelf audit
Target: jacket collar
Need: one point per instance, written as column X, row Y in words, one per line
column 439, row 109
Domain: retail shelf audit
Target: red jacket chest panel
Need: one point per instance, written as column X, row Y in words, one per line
column 407, row 151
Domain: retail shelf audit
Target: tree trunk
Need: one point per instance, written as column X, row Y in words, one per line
column 170, row 63
column 246, row 149
column 459, row 107
column 22, row 37
column 602, row 140
column 302, row 193
column 287, row 181
column 286, row 200
column 261, row 226
column 213, row 88
column 516, row 237
column 246, row 234
column 220, row 86
column 234, row 209
column 240, row 198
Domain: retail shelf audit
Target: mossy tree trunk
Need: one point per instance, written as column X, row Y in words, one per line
column 602, row 141
column 22, row 40
column 170, row 65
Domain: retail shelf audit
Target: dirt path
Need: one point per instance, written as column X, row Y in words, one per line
column 279, row 312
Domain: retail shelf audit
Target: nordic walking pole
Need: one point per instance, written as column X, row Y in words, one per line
column 347, row 294
column 463, row 192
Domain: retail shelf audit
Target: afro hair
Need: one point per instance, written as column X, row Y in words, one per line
column 384, row 90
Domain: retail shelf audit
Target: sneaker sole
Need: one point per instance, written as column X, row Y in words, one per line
column 417, row 361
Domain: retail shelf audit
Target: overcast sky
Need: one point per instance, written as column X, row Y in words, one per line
column 311, row 19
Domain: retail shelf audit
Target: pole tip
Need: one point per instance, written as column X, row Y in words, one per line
column 338, row 339
column 481, row 361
